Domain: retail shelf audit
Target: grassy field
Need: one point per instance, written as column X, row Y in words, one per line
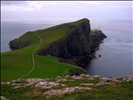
column 119, row 91
column 115, row 91
column 15, row 64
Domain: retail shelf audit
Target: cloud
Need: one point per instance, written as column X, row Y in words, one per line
column 21, row 5
column 12, row 2
column 93, row 2
column 38, row 5
column 59, row 9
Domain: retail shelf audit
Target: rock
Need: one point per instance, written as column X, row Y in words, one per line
column 125, row 78
column 46, row 84
column 87, row 76
column 67, row 76
column 70, row 80
column 61, row 80
column 32, row 81
column 14, row 84
column 52, row 84
column 63, row 91
column 2, row 83
column 99, row 55
column 104, row 80
column 115, row 80
column 76, row 77
column 99, row 84
column 86, row 84
column 62, row 85
column 82, row 75
column 16, row 87
column 41, row 83
column 58, row 77
column 3, row 98
column 58, row 80
column 96, row 76
column 47, row 79
column 90, row 78
column 129, row 79
column 8, row 83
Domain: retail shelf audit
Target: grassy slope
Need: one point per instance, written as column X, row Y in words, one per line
column 15, row 64
column 116, row 91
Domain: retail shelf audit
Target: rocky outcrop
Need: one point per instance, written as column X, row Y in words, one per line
column 17, row 45
column 76, row 48
column 96, row 38
column 64, row 90
column 21, row 42
column 3, row 98
column 67, row 84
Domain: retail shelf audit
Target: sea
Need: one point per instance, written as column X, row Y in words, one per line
column 116, row 50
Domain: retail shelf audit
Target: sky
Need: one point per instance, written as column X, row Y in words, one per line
column 28, row 10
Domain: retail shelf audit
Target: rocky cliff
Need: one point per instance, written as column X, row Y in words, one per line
column 22, row 41
column 77, row 47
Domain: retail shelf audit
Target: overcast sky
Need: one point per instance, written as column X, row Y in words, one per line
column 23, row 10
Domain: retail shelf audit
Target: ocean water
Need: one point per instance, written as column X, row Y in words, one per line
column 116, row 50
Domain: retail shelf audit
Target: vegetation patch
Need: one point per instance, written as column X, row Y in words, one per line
column 119, row 91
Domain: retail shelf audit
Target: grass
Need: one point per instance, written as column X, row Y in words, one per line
column 15, row 64
column 77, row 82
column 18, row 94
column 116, row 91
column 119, row 91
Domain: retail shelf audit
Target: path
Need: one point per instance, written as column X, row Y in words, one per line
column 33, row 58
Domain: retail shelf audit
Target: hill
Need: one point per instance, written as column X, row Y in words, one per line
column 48, row 64
column 58, row 50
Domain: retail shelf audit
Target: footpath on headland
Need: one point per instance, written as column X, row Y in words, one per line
column 33, row 57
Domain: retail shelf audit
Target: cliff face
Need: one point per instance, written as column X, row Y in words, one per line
column 96, row 38
column 76, row 48
column 73, row 44
column 21, row 42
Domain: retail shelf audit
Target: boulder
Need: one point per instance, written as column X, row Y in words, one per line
column 63, row 91
column 105, row 80
column 96, row 76
column 87, row 84
column 67, row 76
column 61, row 80
column 8, row 83
column 46, row 84
column 3, row 98
column 76, row 77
